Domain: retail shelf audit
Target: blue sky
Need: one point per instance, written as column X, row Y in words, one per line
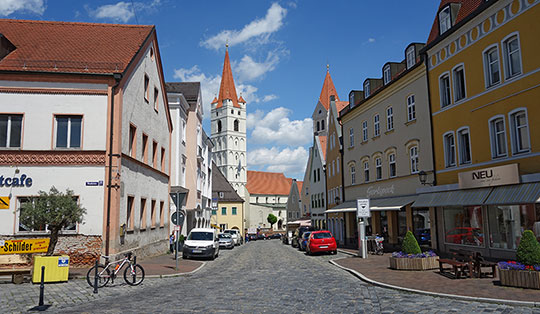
column 279, row 51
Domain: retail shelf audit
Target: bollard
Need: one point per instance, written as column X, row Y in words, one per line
column 134, row 268
column 96, row 277
column 41, row 306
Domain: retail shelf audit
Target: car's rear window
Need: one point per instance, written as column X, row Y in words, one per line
column 224, row 235
column 208, row 236
column 322, row 235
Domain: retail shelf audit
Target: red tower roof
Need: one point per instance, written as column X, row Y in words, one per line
column 227, row 90
column 328, row 89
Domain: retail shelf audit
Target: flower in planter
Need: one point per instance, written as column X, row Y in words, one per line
column 513, row 265
column 402, row 254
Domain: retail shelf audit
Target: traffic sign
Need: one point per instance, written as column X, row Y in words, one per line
column 178, row 220
column 362, row 208
column 4, row 202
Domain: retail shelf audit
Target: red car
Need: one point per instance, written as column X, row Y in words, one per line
column 321, row 241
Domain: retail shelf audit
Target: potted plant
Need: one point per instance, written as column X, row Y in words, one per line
column 411, row 257
column 525, row 272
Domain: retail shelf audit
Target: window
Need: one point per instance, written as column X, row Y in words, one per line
column 161, row 214
column 68, row 131
column 376, row 125
column 129, row 216
column 10, row 130
column 219, row 126
column 378, row 168
column 464, row 225
column 387, row 75
column 491, row 66
column 392, row 165
column 337, row 165
column 156, row 99
column 333, row 167
column 22, row 201
column 389, row 118
column 507, row 222
column 512, row 57
column 318, row 174
column 464, row 147
column 236, row 125
column 353, row 175
column 351, row 99
column 520, row 132
column 364, row 131
column 314, row 175
column 132, row 140
column 183, row 131
column 459, row 83
column 322, row 124
column 162, row 159
column 498, row 137
column 146, row 87
column 411, row 109
column 366, row 171
column 444, row 20
column 318, row 126
column 413, row 154
column 142, row 219
column 154, row 154
column 234, row 211
column 224, row 211
column 444, row 85
column 366, row 89
column 153, row 214
column 410, row 55
column 144, row 150
column 449, row 150
column 351, row 137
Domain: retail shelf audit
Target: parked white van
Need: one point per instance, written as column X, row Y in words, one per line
column 201, row 242
column 235, row 234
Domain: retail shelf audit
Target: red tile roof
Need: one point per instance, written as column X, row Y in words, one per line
column 268, row 183
column 241, row 99
column 328, row 89
column 44, row 46
column 341, row 104
column 227, row 90
column 322, row 140
column 467, row 7
column 300, row 184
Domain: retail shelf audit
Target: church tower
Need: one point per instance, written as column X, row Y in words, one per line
column 228, row 119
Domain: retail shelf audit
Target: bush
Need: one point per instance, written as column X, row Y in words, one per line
column 410, row 245
column 528, row 251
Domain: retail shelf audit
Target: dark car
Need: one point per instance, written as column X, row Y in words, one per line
column 275, row 236
column 252, row 237
column 304, row 241
column 298, row 235
column 423, row 235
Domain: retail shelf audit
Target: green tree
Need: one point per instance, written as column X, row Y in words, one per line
column 54, row 209
column 410, row 245
column 272, row 219
column 528, row 251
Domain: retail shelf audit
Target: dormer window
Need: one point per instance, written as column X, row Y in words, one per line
column 387, row 76
column 411, row 57
column 351, row 99
column 444, row 20
column 366, row 89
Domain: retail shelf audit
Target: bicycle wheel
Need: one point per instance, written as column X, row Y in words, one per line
column 103, row 276
column 134, row 275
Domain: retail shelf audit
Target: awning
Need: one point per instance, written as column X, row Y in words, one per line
column 348, row 206
column 300, row 222
column 459, row 197
column 391, row 203
column 527, row 193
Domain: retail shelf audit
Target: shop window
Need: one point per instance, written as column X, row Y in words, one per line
column 376, row 125
column 387, row 76
column 512, row 57
column 422, row 226
column 364, row 131
column 28, row 201
column 129, row 215
column 366, row 171
column 411, row 108
column 411, row 58
column 463, row 225
column 449, row 150
column 520, row 132
column 142, row 218
column 413, row 155
column 458, row 75
column 464, row 146
column 498, row 137
column 392, row 165
column 389, row 118
column 507, row 223
column 10, row 130
column 224, row 211
column 351, row 137
column 491, row 66
column 378, row 168
column 68, row 131
column 444, row 87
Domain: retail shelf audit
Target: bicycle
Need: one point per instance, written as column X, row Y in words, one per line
column 133, row 274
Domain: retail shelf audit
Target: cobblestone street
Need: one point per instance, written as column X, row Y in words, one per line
column 259, row 277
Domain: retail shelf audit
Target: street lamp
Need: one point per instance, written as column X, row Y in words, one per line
column 422, row 175
column 337, row 200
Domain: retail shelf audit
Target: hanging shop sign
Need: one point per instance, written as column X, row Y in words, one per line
column 23, row 181
column 24, row 246
column 501, row 175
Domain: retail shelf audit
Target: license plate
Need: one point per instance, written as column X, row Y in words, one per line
column 197, row 251
column 323, row 246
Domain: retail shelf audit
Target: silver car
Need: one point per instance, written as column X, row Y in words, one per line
column 225, row 240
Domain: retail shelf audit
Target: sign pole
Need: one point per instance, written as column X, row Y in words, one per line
column 363, row 212
column 177, row 231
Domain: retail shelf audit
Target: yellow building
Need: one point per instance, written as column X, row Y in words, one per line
column 228, row 206
column 483, row 78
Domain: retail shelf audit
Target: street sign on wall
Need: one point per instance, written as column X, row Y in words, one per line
column 362, row 208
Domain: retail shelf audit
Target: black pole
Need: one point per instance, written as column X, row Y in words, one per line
column 134, row 268
column 96, row 277
column 42, row 286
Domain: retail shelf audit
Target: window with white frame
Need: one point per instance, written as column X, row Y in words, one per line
column 183, row 131
column 351, row 99
column 364, row 131
column 351, row 137
column 512, row 56
column 444, row 86
column 366, row 171
column 10, row 130
column 333, row 167
column 464, row 146
column 411, row 57
column 498, row 137
column 366, row 89
column 458, row 75
column 378, row 168
column 387, row 76
column 444, row 20
column 411, row 108
column 413, row 155
column 491, row 66
column 337, row 165
column 353, row 175
column 389, row 118
column 376, row 125
column 520, row 132
column 68, row 131
column 392, row 165
column 449, row 150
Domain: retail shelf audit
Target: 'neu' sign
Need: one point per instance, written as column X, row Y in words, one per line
column 502, row 175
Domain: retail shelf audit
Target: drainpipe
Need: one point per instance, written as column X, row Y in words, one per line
column 117, row 78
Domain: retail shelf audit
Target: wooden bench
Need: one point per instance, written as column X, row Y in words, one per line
column 458, row 268
column 7, row 267
column 480, row 262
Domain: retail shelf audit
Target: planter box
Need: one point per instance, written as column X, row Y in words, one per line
column 417, row 263
column 520, row 278
column 56, row 268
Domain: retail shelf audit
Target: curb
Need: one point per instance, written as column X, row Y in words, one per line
column 159, row 276
column 346, row 252
column 434, row 294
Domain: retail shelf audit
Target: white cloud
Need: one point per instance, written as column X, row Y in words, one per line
column 209, row 84
column 249, row 69
column 268, row 98
column 259, row 29
column 8, row 7
column 371, row 40
column 122, row 11
column 276, row 127
column 291, row 161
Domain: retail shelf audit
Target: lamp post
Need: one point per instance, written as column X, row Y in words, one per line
column 422, row 175
column 337, row 200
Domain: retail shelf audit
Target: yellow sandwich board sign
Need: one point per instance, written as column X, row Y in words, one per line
column 4, row 202
column 24, row 246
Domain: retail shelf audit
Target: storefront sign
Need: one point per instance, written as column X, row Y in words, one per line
column 362, row 208
column 502, row 175
column 16, row 182
column 24, row 246
column 379, row 191
column 4, row 202
column 94, row 183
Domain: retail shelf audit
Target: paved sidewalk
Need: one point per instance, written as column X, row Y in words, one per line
column 376, row 268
